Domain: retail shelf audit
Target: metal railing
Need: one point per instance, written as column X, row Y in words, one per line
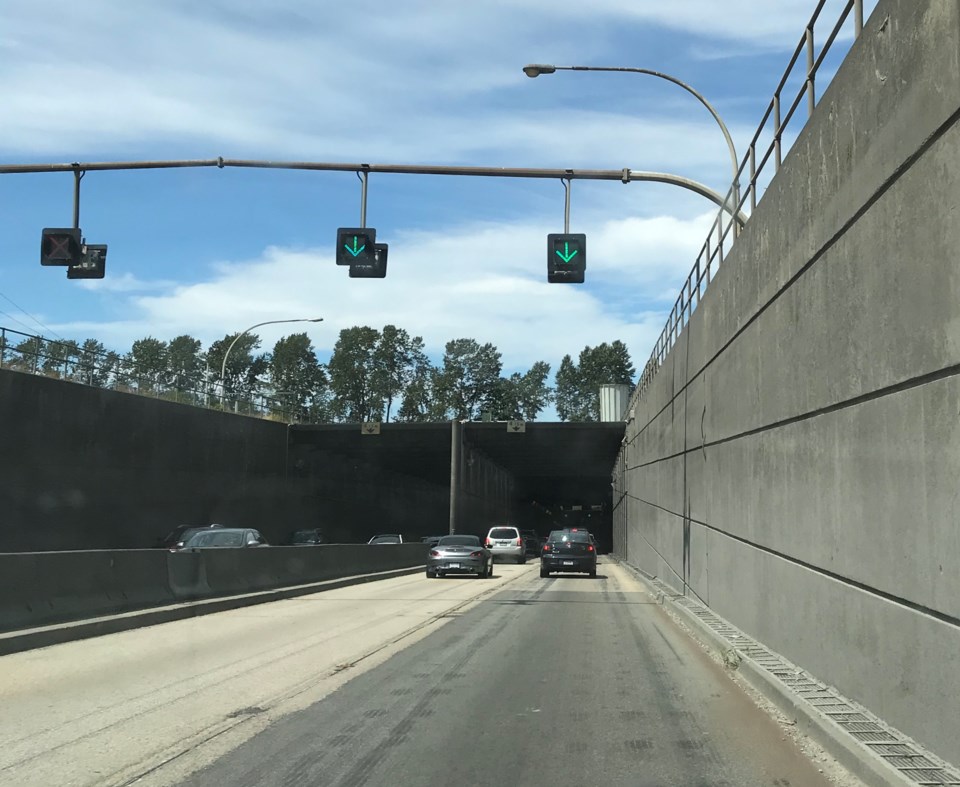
column 24, row 352
column 774, row 124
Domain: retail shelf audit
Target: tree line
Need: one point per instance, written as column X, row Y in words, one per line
column 371, row 375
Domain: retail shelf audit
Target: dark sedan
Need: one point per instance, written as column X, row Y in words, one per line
column 176, row 538
column 569, row 550
column 224, row 538
column 459, row 555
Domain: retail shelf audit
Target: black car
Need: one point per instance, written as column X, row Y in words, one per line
column 569, row 550
column 532, row 543
column 224, row 538
column 431, row 541
column 176, row 538
column 387, row 538
column 304, row 537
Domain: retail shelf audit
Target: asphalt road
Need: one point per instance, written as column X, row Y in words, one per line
column 553, row 682
column 151, row 705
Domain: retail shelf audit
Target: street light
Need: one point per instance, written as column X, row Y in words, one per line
column 536, row 69
column 223, row 366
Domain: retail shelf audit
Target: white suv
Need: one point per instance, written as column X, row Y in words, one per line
column 506, row 541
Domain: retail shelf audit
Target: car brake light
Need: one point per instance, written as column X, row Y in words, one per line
column 519, row 542
column 546, row 547
column 476, row 554
column 589, row 547
column 488, row 543
column 434, row 553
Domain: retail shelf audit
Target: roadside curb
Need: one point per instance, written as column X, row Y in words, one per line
column 58, row 633
column 885, row 756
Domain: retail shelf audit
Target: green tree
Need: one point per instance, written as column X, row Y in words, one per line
column 185, row 363
column 469, row 378
column 578, row 384
column 522, row 396
column 60, row 355
column 26, row 355
column 355, row 382
column 397, row 359
column 297, row 377
column 244, row 368
column 420, row 402
column 95, row 364
column 146, row 363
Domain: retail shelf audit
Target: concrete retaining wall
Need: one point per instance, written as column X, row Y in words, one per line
column 84, row 468
column 794, row 463
column 38, row 588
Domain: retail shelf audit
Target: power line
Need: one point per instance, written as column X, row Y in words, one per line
column 45, row 327
column 20, row 322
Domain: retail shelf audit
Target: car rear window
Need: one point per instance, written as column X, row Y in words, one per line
column 578, row 537
column 386, row 540
column 504, row 532
column 466, row 541
column 216, row 539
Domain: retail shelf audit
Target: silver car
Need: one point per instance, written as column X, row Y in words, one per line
column 459, row 555
column 506, row 542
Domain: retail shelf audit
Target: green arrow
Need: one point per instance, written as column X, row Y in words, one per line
column 356, row 252
column 568, row 255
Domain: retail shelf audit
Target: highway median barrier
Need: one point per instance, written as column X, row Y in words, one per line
column 44, row 588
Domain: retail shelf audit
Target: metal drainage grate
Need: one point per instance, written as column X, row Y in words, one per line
column 916, row 764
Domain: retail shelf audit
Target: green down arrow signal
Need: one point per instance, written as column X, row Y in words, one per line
column 356, row 252
column 566, row 256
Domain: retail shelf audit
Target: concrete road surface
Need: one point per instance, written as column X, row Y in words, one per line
column 512, row 681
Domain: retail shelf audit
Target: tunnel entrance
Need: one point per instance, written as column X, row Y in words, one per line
column 547, row 476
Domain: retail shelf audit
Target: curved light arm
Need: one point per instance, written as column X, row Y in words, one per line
column 690, row 185
column 223, row 366
column 536, row 70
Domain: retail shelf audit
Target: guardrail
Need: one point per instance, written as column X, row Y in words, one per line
column 24, row 352
column 775, row 122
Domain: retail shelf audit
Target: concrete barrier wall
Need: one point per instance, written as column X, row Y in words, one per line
column 84, row 468
column 795, row 462
column 40, row 588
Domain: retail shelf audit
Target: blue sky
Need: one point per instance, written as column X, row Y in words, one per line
column 208, row 251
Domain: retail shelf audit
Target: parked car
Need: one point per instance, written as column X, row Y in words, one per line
column 459, row 555
column 311, row 536
column 532, row 543
column 176, row 537
column 569, row 550
column 506, row 542
column 387, row 538
column 224, row 538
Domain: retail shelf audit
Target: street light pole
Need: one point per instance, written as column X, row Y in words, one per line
column 535, row 70
column 223, row 366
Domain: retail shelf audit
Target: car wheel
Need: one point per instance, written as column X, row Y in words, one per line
column 523, row 559
column 490, row 569
column 544, row 573
column 593, row 574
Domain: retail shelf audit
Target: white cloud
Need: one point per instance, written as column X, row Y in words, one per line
column 304, row 79
column 124, row 282
column 483, row 281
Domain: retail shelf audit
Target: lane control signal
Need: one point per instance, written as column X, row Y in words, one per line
column 566, row 258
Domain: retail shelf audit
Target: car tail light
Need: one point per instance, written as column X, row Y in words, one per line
column 488, row 543
column 546, row 547
column 589, row 547
column 434, row 553
column 476, row 554
column 519, row 542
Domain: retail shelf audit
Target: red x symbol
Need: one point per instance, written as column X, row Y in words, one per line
column 58, row 247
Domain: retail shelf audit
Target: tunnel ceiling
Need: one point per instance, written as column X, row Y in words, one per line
column 545, row 455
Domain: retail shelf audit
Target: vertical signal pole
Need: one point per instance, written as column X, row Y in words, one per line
column 455, row 448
